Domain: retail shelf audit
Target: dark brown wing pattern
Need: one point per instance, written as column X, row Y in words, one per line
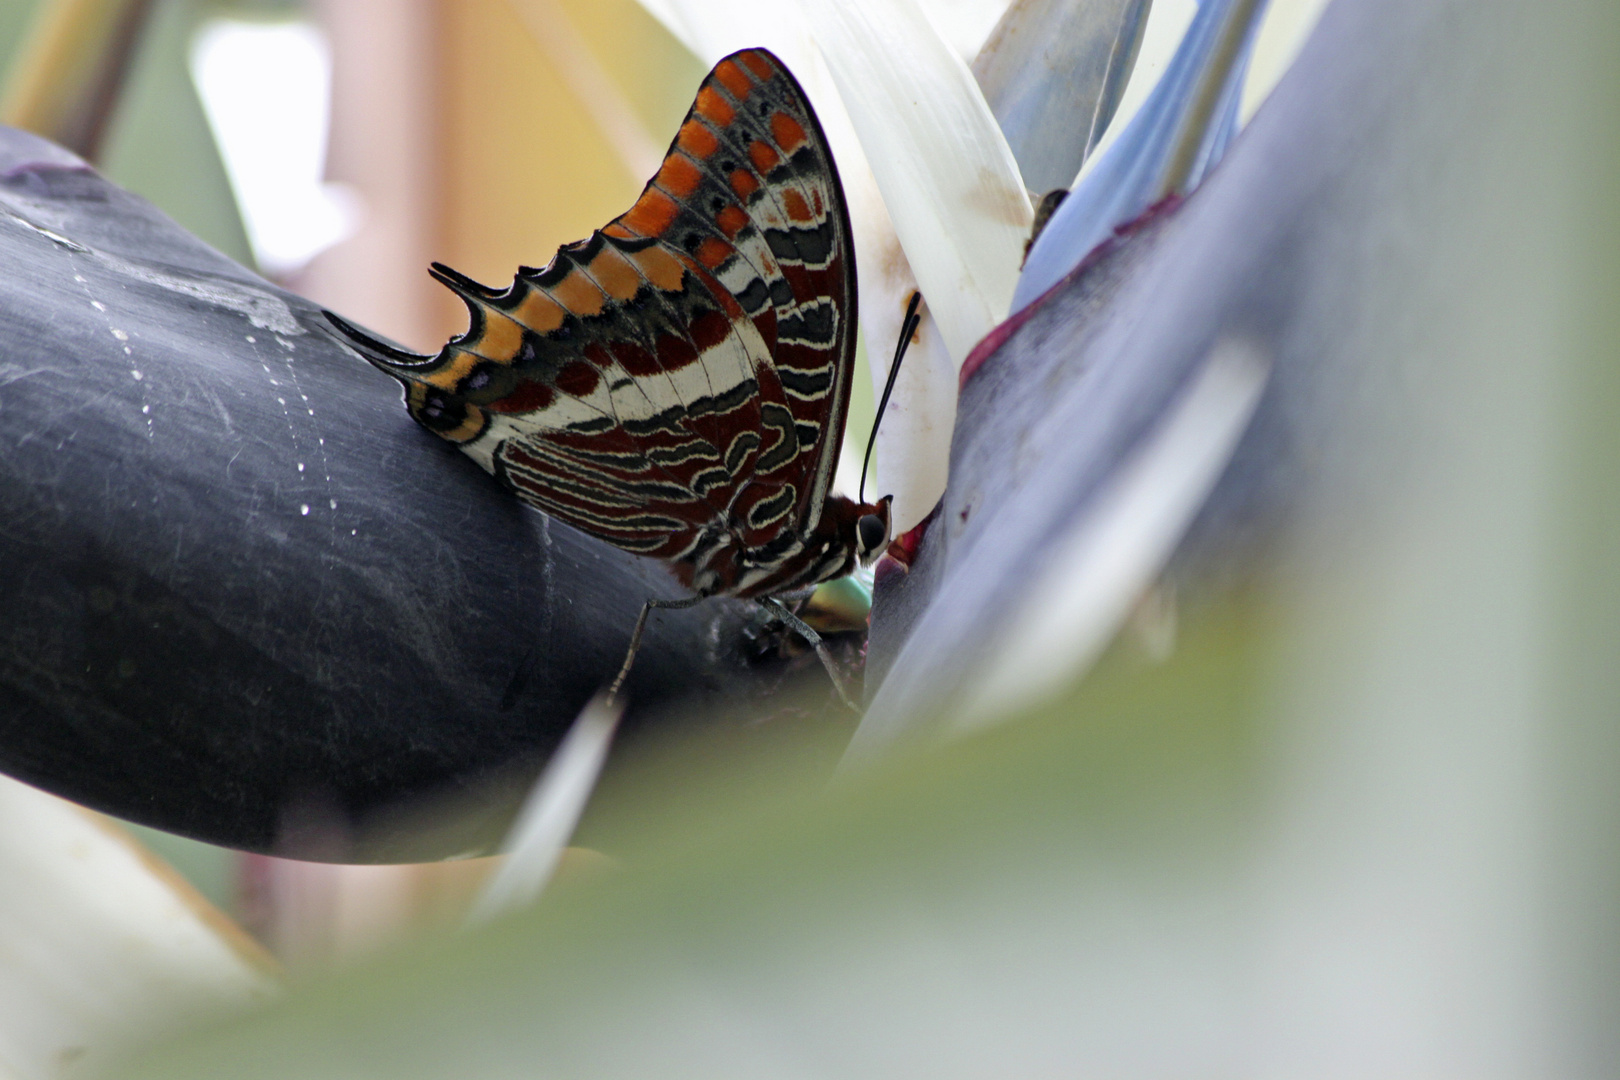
column 677, row 383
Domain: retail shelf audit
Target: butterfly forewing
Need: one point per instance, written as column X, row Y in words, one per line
column 749, row 190
column 678, row 380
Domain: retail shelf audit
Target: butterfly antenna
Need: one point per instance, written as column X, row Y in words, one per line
column 908, row 326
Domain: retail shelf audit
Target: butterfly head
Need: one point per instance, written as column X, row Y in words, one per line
column 848, row 534
column 871, row 534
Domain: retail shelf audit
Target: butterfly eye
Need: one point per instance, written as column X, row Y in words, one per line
column 871, row 531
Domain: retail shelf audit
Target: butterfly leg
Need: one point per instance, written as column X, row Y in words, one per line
column 635, row 639
column 802, row 628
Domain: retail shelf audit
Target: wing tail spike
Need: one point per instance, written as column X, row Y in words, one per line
column 400, row 363
column 461, row 284
column 475, row 295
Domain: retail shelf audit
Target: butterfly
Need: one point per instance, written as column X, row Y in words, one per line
column 677, row 383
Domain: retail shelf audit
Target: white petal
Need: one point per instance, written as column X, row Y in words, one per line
column 101, row 950
column 914, row 441
column 948, row 178
column 713, row 29
column 965, row 24
column 912, row 454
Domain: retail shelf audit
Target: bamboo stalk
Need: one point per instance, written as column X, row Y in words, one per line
column 72, row 68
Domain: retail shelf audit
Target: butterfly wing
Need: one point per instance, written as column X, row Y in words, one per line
column 680, row 378
column 750, row 191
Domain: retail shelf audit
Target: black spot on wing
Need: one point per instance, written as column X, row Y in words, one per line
column 805, row 384
column 593, row 425
column 735, row 398
column 709, row 479
column 786, row 446
column 680, row 452
column 807, row 161
column 810, row 325
column 744, row 444
column 667, row 420
column 812, row 246
column 758, row 294
column 768, row 510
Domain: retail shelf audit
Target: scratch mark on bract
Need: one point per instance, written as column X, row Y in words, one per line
column 263, row 309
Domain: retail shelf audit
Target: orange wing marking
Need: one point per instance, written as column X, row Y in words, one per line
column 579, row 294
column 787, row 132
column 679, row 176
column 501, row 339
column 732, row 220
column 758, row 64
column 697, row 140
column 454, row 370
column 614, row 274
column 539, row 312
column 797, row 208
column 734, row 79
column 661, row 268
column 763, row 157
column 712, row 252
column 713, row 107
column 652, row 215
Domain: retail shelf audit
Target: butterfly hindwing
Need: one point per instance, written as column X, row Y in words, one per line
column 681, row 377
